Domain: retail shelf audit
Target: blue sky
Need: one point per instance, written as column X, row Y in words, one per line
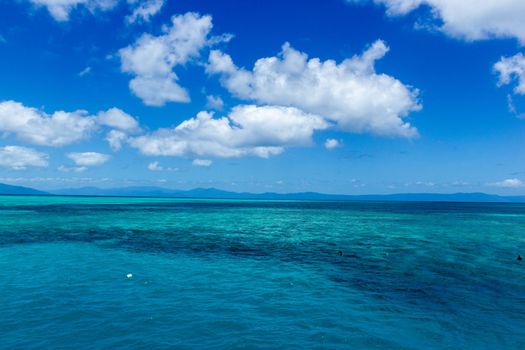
column 353, row 97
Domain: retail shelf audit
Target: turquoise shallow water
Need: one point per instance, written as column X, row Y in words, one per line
column 259, row 274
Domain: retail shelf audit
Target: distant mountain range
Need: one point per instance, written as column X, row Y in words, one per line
column 214, row 193
column 19, row 190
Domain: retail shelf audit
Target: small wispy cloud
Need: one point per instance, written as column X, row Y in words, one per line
column 84, row 72
column 88, row 159
column 331, row 144
column 214, row 102
column 144, row 10
column 202, row 162
column 512, row 107
column 509, row 183
column 74, row 169
column 155, row 166
column 420, row 184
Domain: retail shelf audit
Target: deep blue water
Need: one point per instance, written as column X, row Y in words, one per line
column 259, row 274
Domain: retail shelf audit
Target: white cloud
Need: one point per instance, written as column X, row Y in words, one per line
column 84, row 72
column 157, row 91
column 87, row 159
column 76, row 169
column 155, row 166
column 202, row 162
column 512, row 107
column 350, row 93
column 144, row 9
column 60, row 128
column 151, row 59
column 115, row 139
column 331, row 144
column 37, row 127
column 247, row 130
column 468, row 19
column 214, row 102
column 423, row 183
column 509, row 183
column 58, row 180
column 61, row 9
column 19, row 158
column 118, row 119
column 512, row 69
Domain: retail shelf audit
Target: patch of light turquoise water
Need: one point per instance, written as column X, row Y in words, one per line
column 259, row 274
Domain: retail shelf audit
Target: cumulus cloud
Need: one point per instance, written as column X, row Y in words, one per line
column 331, row 144
column 468, row 19
column 60, row 128
column 247, row 130
column 19, row 158
column 202, row 162
column 512, row 69
column 349, row 93
column 116, row 138
column 509, row 183
column 156, row 91
column 151, row 59
column 87, row 159
column 37, row 127
column 214, row 102
column 118, row 119
column 144, row 9
column 61, row 9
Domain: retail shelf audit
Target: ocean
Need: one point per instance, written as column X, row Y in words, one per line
column 152, row 273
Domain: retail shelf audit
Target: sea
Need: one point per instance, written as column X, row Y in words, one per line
column 159, row 273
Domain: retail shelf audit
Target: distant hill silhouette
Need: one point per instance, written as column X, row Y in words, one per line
column 19, row 190
column 214, row 193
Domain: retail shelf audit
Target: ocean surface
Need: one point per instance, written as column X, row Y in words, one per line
column 144, row 273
